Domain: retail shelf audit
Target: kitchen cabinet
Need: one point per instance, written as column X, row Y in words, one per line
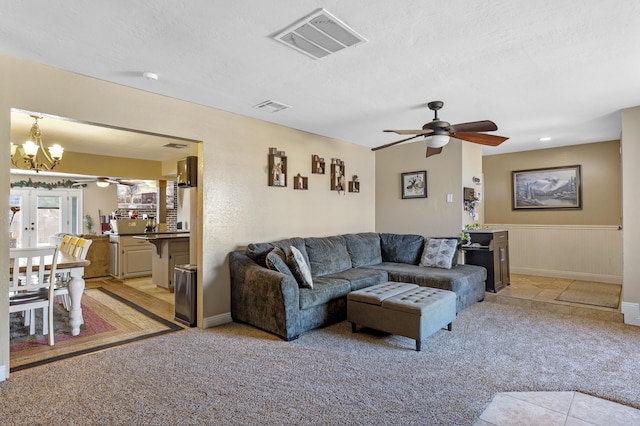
column 169, row 250
column 490, row 248
column 98, row 255
column 130, row 257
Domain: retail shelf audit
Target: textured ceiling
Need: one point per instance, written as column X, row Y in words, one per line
column 558, row 68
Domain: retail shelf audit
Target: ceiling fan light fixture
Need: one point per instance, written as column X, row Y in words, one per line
column 437, row 141
column 102, row 183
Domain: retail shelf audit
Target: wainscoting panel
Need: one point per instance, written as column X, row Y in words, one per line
column 590, row 253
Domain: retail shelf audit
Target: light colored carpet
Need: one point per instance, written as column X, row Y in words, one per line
column 592, row 293
column 236, row 374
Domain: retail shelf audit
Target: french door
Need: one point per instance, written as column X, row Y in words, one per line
column 37, row 214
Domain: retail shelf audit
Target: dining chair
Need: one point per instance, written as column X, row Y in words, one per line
column 30, row 285
column 81, row 248
column 61, row 289
column 64, row 245
column 72, row 245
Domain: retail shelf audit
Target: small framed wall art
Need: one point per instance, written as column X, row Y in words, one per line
column 414, row 184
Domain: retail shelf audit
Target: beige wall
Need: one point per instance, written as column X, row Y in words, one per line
column 432, row 216
column 236, row 205
column 472, row 167
column 631, row 196
column 601, row 185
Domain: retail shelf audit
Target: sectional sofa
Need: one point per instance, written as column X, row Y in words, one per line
column 269, row 291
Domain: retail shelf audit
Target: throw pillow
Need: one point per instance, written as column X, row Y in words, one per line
column 439, row 253
column 277, row 260
column 299, row 267
column 401, row 248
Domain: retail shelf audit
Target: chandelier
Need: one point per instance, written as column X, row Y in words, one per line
column 32, row 155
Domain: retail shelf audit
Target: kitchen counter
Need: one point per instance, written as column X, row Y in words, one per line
column 171, row 249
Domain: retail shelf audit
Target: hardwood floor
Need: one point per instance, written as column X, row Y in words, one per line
column 140, row 291
column 124, row 323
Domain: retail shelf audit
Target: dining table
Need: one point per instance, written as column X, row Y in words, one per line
column 67, row 263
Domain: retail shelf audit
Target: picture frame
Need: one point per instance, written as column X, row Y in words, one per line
column 547, row 188
column 414, row 184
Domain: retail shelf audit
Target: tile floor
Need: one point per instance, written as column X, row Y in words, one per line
column 553, row 408
column 540, row 293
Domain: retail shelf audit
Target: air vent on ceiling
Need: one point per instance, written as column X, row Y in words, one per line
column 175, row 145
column 319, row 34
column 271, row 106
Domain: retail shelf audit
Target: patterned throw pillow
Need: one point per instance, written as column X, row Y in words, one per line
column 277, row 260
column 439, row 253
column 299, row 267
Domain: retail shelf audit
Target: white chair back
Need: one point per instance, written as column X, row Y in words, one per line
column 31, row 284
column 81, row 248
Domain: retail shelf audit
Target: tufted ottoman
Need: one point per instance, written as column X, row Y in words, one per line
column 401, row 308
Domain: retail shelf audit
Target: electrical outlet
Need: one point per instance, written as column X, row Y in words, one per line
column 449, row 198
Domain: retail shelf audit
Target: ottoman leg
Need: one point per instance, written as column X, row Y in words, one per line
column 353, row 327
column 418, row 345
column 450, row 326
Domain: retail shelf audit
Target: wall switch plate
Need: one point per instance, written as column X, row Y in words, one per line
column 449, row 198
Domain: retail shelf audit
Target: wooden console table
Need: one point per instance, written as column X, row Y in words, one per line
column 490, row 248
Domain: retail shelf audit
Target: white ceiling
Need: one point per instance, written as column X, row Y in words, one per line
column 558, row 68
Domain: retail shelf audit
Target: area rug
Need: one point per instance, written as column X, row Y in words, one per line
column 109, row 321
column 592, row 293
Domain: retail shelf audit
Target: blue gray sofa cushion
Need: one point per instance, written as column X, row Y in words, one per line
column 401, row 248
column 361, row 277
column 364, row 248
column 327, row 255
column 324, row 290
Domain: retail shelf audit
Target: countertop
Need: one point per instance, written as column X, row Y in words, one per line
column 162, row 236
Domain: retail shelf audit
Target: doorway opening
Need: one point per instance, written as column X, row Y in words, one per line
column 93, row 151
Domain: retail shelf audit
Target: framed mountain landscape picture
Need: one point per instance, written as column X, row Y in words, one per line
column 548, row 188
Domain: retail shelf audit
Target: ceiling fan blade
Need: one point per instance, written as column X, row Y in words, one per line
column 433, row 151
column 480, row 138
column 394, row 143
column 410, row 132
column 474, row 126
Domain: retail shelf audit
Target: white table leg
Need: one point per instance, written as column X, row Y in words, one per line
column 76, row 289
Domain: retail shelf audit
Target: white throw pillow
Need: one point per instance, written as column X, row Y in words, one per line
column 299, row 268
column 439, row 253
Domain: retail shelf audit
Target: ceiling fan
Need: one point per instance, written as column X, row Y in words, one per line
column 438, row 132
column 102, row 181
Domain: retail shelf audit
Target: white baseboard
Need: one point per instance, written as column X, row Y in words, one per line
column 631, row 312
column 217, row 320
column 571, row 275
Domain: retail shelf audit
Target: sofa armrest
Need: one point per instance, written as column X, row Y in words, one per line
column 264, row 298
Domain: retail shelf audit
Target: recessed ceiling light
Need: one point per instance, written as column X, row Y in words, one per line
column 150, row 75
column 544, row 139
